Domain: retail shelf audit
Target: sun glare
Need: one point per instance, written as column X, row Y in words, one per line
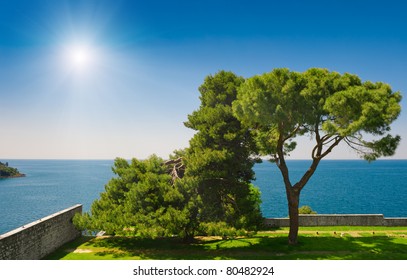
column 79, row 57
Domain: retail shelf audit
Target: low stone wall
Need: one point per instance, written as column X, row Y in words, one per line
column 395, row 222
column 339, row 220
column 40, row 238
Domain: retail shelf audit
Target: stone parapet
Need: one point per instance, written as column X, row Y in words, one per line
column 338, row 220
column 40, row 238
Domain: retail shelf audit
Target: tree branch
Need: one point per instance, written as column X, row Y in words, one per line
column 308, row 174
column 352, row 145
column 282, row 165
column 292, row 134
column 317, row 150
column 326, row 137
column 349, row 141
column 337, row 140
column 177, row 170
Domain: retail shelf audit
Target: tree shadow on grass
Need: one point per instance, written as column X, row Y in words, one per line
column 258, row 247
column 68, row 248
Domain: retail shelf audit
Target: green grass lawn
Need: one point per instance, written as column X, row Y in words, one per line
column 337, row 243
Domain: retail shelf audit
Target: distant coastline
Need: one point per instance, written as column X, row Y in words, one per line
column 13, row 176
column 9, row 172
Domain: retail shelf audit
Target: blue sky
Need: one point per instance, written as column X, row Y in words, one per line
column 146, row 59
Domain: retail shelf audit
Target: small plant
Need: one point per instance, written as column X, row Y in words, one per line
column 306, row 210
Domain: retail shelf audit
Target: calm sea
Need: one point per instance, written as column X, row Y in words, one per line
column 338, row 187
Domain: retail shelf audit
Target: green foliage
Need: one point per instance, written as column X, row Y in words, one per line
column 306, row 210
column 281, row 105
column 143, row 201
column 220, row 156
column 7, row 171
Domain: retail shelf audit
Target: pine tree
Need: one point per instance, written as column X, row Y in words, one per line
column 219, row 156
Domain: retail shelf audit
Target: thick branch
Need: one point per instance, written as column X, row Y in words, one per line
column 282, row 165
column 316, row 151
column 177, row 170
column 308, row 174
column 338, row 139
column 326, row 138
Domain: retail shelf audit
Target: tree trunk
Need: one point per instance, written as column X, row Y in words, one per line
column 293, row 197
column 189, row 238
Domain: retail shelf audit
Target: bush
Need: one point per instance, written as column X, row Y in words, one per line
column 306, row 210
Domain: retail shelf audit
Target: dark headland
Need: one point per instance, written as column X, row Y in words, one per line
column 9, row 172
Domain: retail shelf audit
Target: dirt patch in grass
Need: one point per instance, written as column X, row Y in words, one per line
column 82, row 251
column 78, row 250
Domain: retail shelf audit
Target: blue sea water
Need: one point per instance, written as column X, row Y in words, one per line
column 337, row 187
column 50, row 186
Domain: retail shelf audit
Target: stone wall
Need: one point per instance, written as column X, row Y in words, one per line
column 40, row 238
column 339, row 220
column 395, row 222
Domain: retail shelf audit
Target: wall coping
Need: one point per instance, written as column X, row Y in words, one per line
column 338, row 215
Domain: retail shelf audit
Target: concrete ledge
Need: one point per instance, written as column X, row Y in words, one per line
column 40, row 238
column 339, row 220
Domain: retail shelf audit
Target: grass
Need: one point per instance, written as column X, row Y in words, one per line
column 335, row 243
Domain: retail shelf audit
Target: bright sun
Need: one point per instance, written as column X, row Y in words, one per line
column 79, row 57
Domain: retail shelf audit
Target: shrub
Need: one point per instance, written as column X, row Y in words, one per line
column 306, row 210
